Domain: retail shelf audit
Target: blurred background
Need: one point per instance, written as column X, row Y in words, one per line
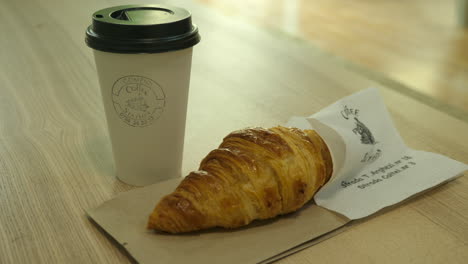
column 420, row 43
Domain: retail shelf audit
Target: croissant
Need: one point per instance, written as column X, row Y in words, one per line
column 255, row 173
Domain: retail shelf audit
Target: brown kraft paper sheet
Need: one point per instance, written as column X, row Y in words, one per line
column 125, row 218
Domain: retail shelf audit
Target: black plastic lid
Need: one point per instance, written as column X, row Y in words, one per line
column 142, row 29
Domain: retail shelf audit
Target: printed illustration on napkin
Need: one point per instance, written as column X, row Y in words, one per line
column 372, row 166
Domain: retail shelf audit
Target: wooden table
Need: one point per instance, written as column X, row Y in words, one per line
column 55, row 159
column 416, row 42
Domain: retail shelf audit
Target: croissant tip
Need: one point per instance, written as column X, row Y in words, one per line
column 152, row 223
column 150, row 226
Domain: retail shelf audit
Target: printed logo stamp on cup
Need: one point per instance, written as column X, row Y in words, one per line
column 138, row 100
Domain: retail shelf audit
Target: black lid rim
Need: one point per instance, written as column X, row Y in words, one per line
column 142, row 45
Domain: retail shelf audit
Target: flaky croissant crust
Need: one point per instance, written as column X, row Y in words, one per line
column 255, row 173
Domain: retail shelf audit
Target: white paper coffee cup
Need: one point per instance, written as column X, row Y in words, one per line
column 143, row 57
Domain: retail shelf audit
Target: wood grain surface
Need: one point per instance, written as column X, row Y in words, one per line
column 55, row 157
column 417, row 42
